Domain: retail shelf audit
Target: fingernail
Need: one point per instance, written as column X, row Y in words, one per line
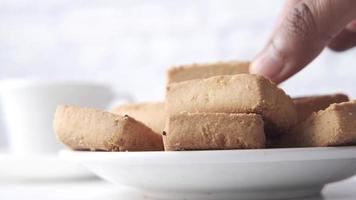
column 352, row 26
column 268, row 64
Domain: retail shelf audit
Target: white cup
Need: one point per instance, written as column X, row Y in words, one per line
column 3, row 138
column 28, row 108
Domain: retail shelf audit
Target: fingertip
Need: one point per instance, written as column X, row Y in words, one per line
column 336, row 47
column 267, row 64
column 255, row 67
column 345, row 40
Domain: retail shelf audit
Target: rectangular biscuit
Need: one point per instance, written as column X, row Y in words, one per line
column 151, row 114
column 199, row 71
column 90, row 129
column 307, row 105
column 208, row 131
column 242, row 93
column 333, row 126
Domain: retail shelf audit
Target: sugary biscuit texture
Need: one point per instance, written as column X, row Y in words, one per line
column 200, row 71
column 242, row 93
column 333, row 126
column 307, row 105
column 208, row 131
column 151, row 114
column 90, row 129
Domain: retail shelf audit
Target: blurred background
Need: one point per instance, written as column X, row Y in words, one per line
column 130, row 44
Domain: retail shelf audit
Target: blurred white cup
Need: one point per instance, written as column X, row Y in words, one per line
column 3, row 138
column 28, row 108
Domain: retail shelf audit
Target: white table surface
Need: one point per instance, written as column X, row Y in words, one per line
column 97, row 189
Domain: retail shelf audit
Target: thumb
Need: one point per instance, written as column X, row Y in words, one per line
column 303, row 33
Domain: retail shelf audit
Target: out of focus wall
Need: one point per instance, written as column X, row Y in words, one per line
column 130, row 44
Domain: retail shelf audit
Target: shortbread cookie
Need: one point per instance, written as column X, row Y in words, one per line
column 199, row 71
column 203, row 131
column 242, row 93
column 333, row 126
column 307, row 105
column 90, row 129
column 150, row 113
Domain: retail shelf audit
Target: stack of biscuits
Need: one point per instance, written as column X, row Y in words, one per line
column 212, row 106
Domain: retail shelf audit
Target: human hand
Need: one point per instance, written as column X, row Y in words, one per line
column 303, row 30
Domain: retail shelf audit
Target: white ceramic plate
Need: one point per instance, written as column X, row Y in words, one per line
column 39, row 167
column 230, row 174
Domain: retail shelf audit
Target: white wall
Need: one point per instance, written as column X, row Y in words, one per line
column 130, row 43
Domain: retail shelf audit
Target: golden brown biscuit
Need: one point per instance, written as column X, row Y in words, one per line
column 199, row 71
column 333, row 126
column 307, row 105
column 203, row 131
column 242, row 93
column 90, row 129
column 149, row 113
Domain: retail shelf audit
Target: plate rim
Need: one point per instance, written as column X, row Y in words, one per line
column 220, row 156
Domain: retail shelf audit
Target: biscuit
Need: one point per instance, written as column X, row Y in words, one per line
column 199, row 71
column 307, row 105
column 242, row 93
column 208, row 131
column 334, row 126
column 90, row 129
column 151, row 114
